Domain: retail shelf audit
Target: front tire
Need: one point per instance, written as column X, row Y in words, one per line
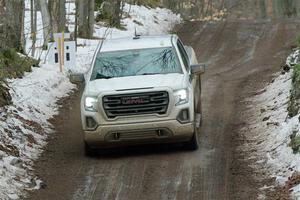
column 193, row 144
column 88, row 151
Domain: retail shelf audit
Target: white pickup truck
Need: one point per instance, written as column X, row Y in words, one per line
column 142, row 90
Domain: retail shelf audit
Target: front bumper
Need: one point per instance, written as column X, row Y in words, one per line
column 139, row 133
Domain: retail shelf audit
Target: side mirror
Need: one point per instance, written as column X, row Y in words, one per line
column 198, row 69
column 77, row 78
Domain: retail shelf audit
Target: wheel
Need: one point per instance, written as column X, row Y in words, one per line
column 193, row 144
column 201, row 115
column 88, row 151
column 198, row 107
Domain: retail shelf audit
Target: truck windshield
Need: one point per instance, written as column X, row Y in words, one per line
column 135, row 62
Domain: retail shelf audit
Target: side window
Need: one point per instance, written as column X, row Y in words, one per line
column 183, row 54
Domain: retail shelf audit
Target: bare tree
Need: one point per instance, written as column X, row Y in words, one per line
column 116, row 21
column 11, row 24
column 46, row 21
column 57, row 10
column 76, row 23
column 33, row 14
column 86, row 18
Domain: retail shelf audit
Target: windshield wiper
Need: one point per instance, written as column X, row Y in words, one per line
column 144, row 74
column 101, row 76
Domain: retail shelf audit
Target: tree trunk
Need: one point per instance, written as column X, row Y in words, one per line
column 57, row 10
column 11, row 24
column 91, row 17
column 76, row 23
column 46, row 21
column 117, row 13
column 22, row 49
column 86, row 18
column 33, row 12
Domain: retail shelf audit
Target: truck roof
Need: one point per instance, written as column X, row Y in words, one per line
column 143, row 42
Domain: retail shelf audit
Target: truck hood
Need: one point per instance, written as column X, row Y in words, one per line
column 173, row 81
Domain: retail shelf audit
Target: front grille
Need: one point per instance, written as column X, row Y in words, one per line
column 138, row 135
column 136, row 104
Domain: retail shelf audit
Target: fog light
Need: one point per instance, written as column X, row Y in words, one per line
column 91, row 123
column 184, row 116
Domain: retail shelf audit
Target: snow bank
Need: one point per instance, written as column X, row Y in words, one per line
column 271, row 128
column 24, row 126
column 146, row 21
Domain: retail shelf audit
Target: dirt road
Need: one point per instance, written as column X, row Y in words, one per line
column 242, row 56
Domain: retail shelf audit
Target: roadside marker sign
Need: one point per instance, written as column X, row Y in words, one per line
column 62, row 52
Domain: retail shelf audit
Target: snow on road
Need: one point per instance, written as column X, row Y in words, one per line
column 24, row 125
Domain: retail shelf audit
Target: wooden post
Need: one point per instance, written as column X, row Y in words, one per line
column 63, row 50
column 59, row 53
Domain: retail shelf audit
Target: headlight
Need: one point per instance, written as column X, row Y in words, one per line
column 90, row 104
column 181, row 96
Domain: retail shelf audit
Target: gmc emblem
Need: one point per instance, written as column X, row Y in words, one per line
column 133, row 101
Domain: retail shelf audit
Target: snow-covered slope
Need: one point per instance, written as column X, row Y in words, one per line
column 24, row 125
column 146, row 21
column 271, row 128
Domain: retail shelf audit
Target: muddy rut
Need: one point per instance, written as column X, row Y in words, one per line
column 238, row 53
